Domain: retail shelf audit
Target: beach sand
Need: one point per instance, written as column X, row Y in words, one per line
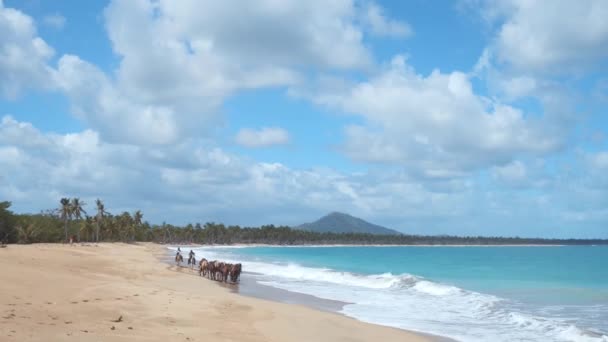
column 119, row 292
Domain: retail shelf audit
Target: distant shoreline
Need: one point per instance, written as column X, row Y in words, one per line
column 240, row 245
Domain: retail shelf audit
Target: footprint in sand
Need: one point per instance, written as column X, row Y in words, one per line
column 74, row 302
column 85, row 300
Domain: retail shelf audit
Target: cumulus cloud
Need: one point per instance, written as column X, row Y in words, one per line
column 55, row 20
column 180, row 61
column 96, row 100
column 24, row 56
column 436, row 123
column 568, row 36
column 264, row 137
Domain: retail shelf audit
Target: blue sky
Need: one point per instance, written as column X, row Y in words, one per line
column 467, row 118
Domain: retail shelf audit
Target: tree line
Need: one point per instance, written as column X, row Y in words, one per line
column 70, row 219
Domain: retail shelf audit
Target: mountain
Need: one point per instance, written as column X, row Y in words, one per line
column 343, row 223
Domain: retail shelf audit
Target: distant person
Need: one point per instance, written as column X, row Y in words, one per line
column 191, row 258
column 178, row 257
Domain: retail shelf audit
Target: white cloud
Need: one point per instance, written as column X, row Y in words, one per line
column 264, row 137
column 96, row 100
column 195, row 181
column 23, row 55
column 180, row 61
column 56, row 21
column 382, row 26
column 435, row 124
column 568, row 36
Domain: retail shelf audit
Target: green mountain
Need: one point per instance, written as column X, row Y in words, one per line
column 343, row 223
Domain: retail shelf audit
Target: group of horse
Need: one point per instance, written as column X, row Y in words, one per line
column 219, row 270
column 214, row 270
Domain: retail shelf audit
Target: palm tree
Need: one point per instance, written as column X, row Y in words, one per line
column 77, row 210
column 65, row 211
column 125, row 225
column 27, row 233
column 99, row 217
column 137, row 217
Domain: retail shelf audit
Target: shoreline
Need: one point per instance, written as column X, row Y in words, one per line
column 123, row 292
column 342, row 245
column 248, row 287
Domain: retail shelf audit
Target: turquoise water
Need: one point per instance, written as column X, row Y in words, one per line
column 467, row 293
column 570, row 274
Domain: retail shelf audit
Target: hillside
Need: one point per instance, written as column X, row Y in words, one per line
column 343, row 223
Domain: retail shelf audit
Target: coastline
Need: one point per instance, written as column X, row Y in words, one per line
column 249, row 287
column 119, row 292
column 245, row 245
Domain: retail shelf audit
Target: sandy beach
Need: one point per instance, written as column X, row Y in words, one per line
column 119, row 292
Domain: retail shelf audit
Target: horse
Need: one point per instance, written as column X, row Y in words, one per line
column 224, row 271
column 211, row 269
column 219, row 266
column 203, row 267
column 235, row 272
column 178, row 259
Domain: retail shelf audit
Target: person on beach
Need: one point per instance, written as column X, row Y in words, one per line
column 191, row 258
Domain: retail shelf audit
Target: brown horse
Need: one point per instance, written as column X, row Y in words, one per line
column 219, row 267
column 235, row 272
column 225, row 271
column 211, row 269
column 203, row 267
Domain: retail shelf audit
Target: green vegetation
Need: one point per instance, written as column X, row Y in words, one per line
column 68, row 220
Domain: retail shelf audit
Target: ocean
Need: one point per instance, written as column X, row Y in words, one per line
column 551, row 293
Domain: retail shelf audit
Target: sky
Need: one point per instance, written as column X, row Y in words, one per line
column 462, row 117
